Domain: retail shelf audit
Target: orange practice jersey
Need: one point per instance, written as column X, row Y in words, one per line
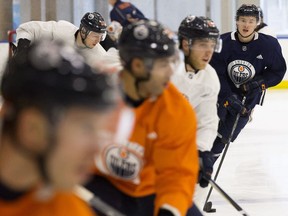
column 61, row 204
column 161, row 156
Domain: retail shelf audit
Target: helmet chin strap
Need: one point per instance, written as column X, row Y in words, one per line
column 128, row 99
column 189, row 63
column 138, row 80
column 83, row 41
column 40, row 159
column 83, row 38
column 148, row 63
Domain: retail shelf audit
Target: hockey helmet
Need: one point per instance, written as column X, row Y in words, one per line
column 193, row 27
column 260, row 12
column 147, row 39
column 94, row 22
column 248, row 10
column 54, row 73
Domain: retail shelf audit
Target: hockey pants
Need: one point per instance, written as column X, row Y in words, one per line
column 127, row 205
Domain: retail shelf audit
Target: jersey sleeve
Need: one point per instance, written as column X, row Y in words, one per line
column 207, row 122
column 61, row 203
column 206, row 110
column 176, row 157
column 34, row 30
column 275, row 70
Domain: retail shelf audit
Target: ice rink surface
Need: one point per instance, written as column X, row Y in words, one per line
column 255, row 169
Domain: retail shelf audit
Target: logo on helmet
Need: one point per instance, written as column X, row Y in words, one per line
column 91, row 16
column 211, row 23
column 190, row 18
column 141, row 32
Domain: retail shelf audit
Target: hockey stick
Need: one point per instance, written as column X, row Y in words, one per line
column 227, row 197
column 208, row 205
column 103, row 207
column 100, row 206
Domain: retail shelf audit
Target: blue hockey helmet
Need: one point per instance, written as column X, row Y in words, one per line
column 248, row 10
column 195, row 27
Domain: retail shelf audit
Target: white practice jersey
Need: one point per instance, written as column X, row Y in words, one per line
column 201, row 89
column 61, row 30
column 111, row 61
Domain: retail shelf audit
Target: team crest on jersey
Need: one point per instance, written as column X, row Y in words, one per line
column 123, row 162
column 240, row 71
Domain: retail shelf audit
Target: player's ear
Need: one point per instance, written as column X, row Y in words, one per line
column 185, row 47
column 138, row 67
column 33, row 129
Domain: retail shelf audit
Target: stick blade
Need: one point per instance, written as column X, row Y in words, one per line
column 208, row 208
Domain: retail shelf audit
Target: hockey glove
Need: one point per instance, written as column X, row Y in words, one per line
column 165, row 212
column 206, row 167
column 234, row 106
column 22, row 47
column 253, row 87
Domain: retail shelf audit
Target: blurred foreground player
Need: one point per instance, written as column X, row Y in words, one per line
column 155, row 171
column 54, row 107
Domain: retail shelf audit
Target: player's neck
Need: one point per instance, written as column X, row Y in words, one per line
column 189, row 68
column 16, row 171
column 246, row 39
column 129, row 86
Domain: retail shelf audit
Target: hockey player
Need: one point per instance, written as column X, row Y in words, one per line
column 248, row 64
column 53, row 107
column 199, row 83
column 92, row 30
column 155, row 172
column 125, row 12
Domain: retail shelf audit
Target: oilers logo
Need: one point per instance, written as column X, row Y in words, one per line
column 240, row 71
column 122, row 162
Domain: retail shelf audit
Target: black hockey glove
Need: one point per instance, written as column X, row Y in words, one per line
column 165, row 212
column 22, row 47
column 234, row 106
column 253, row 87
column 206, row 167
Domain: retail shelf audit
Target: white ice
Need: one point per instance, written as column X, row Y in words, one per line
column 255, row 169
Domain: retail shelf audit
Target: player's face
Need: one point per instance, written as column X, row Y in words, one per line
column 92, row 39
column 77, row 142
column 246, row 25
column 159, row 77
column 201, row 52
